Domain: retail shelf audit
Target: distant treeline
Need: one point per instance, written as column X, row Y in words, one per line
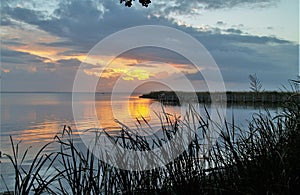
column 229, row 96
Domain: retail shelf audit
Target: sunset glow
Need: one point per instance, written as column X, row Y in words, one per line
column 135, row 97
column 44, row 40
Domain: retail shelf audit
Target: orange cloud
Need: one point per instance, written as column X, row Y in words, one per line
column 32, row 38
column 5, row 70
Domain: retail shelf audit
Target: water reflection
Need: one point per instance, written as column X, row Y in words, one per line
column 140, row 109
column 36, row 117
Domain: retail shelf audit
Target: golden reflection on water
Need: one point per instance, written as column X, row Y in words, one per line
column 41, row 132
column 140, row 109
column 126, row 111
column 27, row 119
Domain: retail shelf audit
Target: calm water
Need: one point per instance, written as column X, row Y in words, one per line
column 35, row 118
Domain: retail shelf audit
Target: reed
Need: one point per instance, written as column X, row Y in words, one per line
column 35, row 177
column 261, row 159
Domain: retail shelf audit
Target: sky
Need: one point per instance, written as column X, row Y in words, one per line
column 43, row 43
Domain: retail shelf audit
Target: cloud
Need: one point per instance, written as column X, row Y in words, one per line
column 234, row 31
column 142, row 65
column 69, row 62
column 221, row 23
column 13, row 42
column 79, row 25
column 155, row 54
column 23, row 14
column 196, row 6
column 19, row 80
column 219, row 4
column 9, row 56
column 5, row 21
column 80, row 22
column 269, row 62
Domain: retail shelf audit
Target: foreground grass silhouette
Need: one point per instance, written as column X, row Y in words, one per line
column 262, row 159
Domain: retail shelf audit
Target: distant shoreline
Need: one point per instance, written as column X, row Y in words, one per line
column 51, row 92
column 229, row 97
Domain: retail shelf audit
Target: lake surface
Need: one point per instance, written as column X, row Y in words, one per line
column 35, row 118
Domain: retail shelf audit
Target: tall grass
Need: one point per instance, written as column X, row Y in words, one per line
column 34, row 178
column 261, row 159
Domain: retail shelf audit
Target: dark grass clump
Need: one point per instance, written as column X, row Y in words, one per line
column 35, row 177
column 262, row 159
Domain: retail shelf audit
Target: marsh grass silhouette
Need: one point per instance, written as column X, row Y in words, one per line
column 261, row 159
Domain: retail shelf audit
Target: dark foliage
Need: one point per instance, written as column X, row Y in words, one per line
column 128, row 3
